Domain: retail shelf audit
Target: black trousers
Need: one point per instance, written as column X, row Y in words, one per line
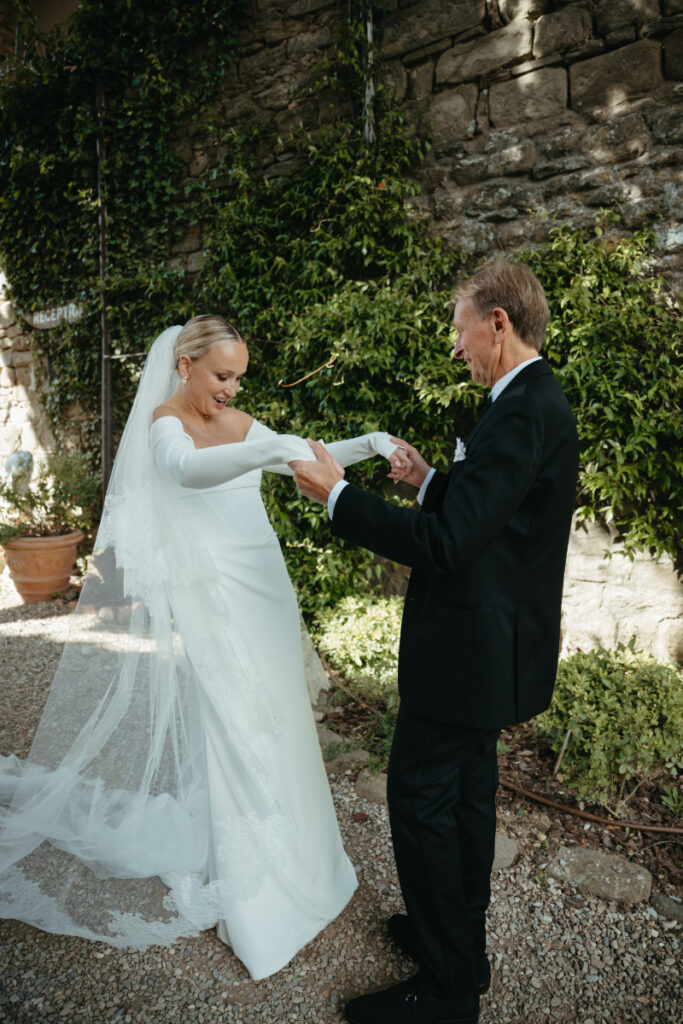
column 442, row 781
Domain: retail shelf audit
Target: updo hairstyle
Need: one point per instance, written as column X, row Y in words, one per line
column 203, row 332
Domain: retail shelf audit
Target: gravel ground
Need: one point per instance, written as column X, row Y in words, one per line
column 557, row 956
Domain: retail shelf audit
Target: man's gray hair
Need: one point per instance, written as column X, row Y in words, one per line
column 514, row 288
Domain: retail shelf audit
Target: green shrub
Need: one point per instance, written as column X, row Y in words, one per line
column 59, row 500
column 359, row 636
column 625, row 713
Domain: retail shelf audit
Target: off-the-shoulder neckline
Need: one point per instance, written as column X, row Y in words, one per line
column 172, row 416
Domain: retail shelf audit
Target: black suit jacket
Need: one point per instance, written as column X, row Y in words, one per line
column 481, row 624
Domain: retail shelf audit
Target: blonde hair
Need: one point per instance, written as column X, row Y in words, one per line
column 514, row 288
column 203, row 332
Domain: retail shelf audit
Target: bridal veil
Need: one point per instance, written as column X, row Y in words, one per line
column 112, row 797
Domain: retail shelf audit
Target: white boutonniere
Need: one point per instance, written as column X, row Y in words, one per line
column 460, row 453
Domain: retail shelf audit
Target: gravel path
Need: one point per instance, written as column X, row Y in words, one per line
column 558, row 956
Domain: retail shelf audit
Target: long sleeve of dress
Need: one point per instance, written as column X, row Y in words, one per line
column 176, row 456
column 346, row 452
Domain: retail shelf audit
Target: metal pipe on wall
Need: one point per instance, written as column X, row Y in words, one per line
column 107, row 444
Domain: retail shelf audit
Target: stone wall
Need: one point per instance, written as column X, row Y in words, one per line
column 544, row 110
column 540, row 110
column 23, row 422
column 606, row 601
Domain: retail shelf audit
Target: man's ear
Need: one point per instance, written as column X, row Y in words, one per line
column 501, row 323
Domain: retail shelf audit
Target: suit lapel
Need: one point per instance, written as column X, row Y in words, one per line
column 530, row 373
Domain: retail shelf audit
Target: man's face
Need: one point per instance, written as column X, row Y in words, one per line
column 475, row 343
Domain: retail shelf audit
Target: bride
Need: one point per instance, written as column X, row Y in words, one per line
column 175, row 782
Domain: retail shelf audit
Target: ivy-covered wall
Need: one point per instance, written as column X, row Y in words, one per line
column 239, row 178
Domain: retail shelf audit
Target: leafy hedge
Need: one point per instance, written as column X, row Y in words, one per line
column 623, row 711
column 624, row 715
column 360, row 637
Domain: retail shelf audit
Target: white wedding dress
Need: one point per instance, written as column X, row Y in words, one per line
column 178, row 742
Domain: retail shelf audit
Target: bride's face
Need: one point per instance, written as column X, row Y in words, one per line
column 214, row 379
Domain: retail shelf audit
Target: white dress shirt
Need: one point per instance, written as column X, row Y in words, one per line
column 497, row 388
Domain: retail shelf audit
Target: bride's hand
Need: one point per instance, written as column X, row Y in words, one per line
column 409, row 464
column 400, row 465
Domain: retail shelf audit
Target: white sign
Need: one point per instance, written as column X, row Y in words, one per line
column 44, row 319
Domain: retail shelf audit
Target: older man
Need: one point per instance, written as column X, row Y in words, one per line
column 480, row 633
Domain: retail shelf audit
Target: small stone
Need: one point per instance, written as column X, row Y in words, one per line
column 7, row 317
column 664, row 905
column 506, row 853
column 602, row 874
column 372, row 786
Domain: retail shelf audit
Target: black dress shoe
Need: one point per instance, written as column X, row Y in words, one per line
column 402, row 933
column 407, row 1003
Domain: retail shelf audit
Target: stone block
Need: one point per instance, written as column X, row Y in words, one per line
column 517, row 158
column 615, row 77
column 7, row 377
column 563, row 165
column 307, row 44
column 555, row 33
column 340, row 761
column 613, row 14
column 563, row 141
column 603, row 875
column 24, row 377
column 452, row 115
column 395, row 77
column 372, row 786
column 666, row 907
column 261, row 64
column 22, row 358
column 529, row 98
column 620, row 37
column 672, row 7
column 673, row 55
column 192, row 263
column 7, row 317
column 14, row 331
column 510, row 10
column 667, row 126
column 327, row 738
column 299, row 7
column 417, row 56
column 6, row 357
column 190, row 242
column 423, row 23
column 278, row 96
column 499, row 202
column 449, row 62
column 591, row 48
column 470, row 168
column 447, row 203
column 490, row 53
column 625, row 139
column 506, row 852
column 199, row 164
column 421, row 79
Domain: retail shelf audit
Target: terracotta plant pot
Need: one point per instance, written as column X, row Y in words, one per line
column 41, row 566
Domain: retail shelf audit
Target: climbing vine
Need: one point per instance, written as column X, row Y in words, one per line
column 340, row 291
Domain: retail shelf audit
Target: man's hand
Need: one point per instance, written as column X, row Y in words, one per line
column 410, row 466
column 315, row 479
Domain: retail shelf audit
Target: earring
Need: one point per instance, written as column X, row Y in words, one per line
column 184, row 380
